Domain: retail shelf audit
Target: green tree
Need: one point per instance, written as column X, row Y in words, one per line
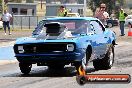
column 16, row 1
column 110, row 4
column 0, row 6
column 121, row 2
column 0, row 2
column 29, row 1
column 93, row 4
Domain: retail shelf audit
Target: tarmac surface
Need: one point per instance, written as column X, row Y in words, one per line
column 7, row 42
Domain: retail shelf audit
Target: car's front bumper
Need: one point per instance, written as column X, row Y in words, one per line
column 51, row 57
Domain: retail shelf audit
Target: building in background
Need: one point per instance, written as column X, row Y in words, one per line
column 22, row 8
column 75, row 6
column 129, row 3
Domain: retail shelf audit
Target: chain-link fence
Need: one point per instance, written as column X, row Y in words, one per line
column 25, row 22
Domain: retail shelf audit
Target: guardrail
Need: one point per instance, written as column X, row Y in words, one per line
column 25, row 22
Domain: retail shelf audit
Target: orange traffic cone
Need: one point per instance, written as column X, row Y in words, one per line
column 130, row 29
column 130, row 32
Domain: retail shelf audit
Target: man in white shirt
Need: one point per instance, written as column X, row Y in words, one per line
column 6, row 17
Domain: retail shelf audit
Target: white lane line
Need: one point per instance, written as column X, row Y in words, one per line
column 7, row 44
column 3, row 62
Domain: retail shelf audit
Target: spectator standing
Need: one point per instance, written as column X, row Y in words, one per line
column 6, row 17
column 101, row 14
column 62, row 12
column 122, row 16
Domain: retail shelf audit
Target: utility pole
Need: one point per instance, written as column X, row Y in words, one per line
column 85, row 7
column 41, row 4
column 3, row 5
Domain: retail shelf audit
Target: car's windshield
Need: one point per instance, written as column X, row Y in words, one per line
column 75, row 26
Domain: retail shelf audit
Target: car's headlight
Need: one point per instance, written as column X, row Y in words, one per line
column 70, row 47
column 20, row 49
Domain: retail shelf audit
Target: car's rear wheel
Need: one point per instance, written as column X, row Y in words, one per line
column 106, row 62
column 25, row 68
column 109, row 25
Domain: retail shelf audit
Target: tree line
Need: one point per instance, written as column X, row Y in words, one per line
column 110, row 4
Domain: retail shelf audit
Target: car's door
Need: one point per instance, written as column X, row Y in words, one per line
column 99, row 40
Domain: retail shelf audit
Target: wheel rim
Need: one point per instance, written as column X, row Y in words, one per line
column 84, row 60
column 111, row 59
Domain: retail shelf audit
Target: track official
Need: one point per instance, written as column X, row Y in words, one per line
column 62, row 12
column 122, row 16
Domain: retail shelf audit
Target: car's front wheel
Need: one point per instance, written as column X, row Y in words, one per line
column 106, row 62
column 85, row 60
column 25, row 68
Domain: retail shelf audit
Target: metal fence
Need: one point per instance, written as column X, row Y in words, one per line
column 25, row 22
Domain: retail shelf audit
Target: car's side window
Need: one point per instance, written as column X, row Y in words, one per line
column 96, row 27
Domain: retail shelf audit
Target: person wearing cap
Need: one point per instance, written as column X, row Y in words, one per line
column 62, row 12
column 122, row 16
column 101, row 14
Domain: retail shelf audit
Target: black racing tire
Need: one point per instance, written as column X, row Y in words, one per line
column 87, row 57
column 81, row 80
column 106, row 62
column 88, row 54
column 25, row 68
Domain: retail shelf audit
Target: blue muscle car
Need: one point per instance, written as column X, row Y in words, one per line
column 60, row 41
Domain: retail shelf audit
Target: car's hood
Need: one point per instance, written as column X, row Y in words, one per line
column 25, row 40
column 65, row 36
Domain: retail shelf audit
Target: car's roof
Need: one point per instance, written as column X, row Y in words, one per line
column 72, row 18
